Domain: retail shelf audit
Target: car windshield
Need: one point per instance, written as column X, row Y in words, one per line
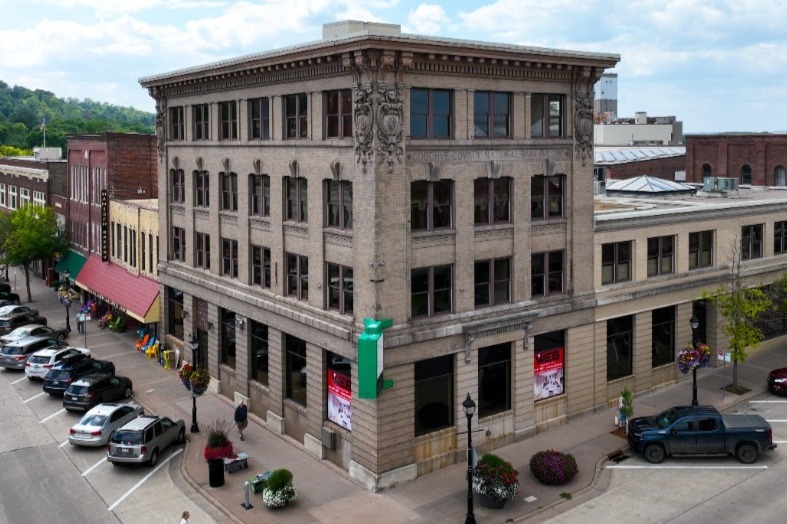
column 58, row 374
column 7, row 310
column 20, row 332
column 666, row 418
column 12, row 350
column 128, row 437
column 93, row 420
column 5, row 323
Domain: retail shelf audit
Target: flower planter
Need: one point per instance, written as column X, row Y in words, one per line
column 488, row 502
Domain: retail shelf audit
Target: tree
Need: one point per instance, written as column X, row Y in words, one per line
column 739, row 307
column 27, row 234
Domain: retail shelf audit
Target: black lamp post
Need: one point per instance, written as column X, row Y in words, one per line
column 194, row 345
column 695, row 323
column 67, row 299
column 469, row 408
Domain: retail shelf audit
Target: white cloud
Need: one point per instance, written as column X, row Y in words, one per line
column 427, row 19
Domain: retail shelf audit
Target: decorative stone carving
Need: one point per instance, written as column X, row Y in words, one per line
column 364, row 120
column 257, row 167
column 199, row 164
column 583, row 116
column 161, row 121
column 390, row 118
column 494, row 168
column 226, row 164
column 176, row 163
column 549, row 167
column 336, row 170
column 294, row 168
column 432, row 175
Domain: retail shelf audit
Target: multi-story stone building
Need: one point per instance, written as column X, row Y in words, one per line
column 445, row 185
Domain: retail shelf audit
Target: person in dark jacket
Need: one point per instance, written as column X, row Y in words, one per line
column 241, row 417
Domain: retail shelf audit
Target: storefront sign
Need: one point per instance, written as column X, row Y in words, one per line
column 548, row 371
column 370, row 358
column 104, row 225
column 340, row 399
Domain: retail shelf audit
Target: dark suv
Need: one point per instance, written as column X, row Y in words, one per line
column 91, row 390
column 57, row 379
column 10, row 322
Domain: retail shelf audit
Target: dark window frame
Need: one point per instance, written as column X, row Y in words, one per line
column 434, row 394
column 661, row 255
column 663, row 336
column 542, row 119
column 424, row 122
column 259, row 350
column 495, row 289
column 201, row 116
column 428, row 214
column 178, row 244
column 229, row 338
column 547, row 197
column 492, row 201
column 620, row 347
column 260, row 201
column 486, row 112
column 228, row 182
column 228, row 120
column 201, row 189
column 296, row 116
column 295, row 364
column 431, row 291
column 296, row 199
column 261, row 266
column 177, row 123
column 339, row 210
column 780, row 238
column 178, row 186
column 700, row 249
column 338, row 114
column 259, row 118
column 544, row 283
column 617, row 255
column 752, row 241
column 202, row 246
column 339, row 288
column 297, row 276
column 229, row 257
column 494, row 380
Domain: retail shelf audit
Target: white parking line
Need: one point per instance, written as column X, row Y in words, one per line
column 768, row 402
column 31, row 398
column 780, row 441
column 94, row 466
column 63, row 444
column 776, row 420
column 17, row 381
column 138, row 484
column 53, row 415
column 619, row 466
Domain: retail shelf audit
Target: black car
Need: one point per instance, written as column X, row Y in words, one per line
column 14, row 320
column 57, row 379
column 91, row 390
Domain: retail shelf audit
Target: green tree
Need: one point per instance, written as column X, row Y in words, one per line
column 739, row 307
column 30, row 233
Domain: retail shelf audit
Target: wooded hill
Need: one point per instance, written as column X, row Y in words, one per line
column 23, row 110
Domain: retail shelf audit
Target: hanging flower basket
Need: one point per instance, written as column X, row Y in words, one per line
column 195, row 380
column 693, row 357
column 67, row 296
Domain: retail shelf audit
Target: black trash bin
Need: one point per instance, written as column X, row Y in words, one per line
column 216, row 473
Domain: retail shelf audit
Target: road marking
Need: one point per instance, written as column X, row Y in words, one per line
column 63, row 444
column 776, row 420
column 31, row 398
column 94, row 466
column 150, row 390
column 619, row 466
column 768, row 401
column 53, row 415
column 17, row 381
column 780, row 441
column 138, row 484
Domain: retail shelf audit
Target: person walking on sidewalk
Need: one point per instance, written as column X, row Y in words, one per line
column 184, row 518
column 241, row 417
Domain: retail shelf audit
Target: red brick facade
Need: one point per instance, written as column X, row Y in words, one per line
column 663, row 168
column 730, row 156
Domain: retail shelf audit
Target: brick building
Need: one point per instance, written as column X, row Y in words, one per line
column 753, row 159
column 621, row 163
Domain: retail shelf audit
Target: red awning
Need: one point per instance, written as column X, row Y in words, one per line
column 137, row 296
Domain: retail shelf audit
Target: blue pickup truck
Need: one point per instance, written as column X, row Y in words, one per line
column 700, row 430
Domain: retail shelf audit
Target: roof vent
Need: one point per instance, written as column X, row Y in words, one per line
column 346, row 28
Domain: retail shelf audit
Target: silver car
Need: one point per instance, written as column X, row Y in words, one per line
column 98, row 425
column 144, row 439
column 15, row 355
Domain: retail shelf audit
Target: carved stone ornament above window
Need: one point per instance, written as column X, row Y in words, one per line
column 199, row 164
column 583, row 117
column 226, row 164
column 336, row 170
column 257, row 167
column 494, row 168
column 294, row 168
column 161, row 121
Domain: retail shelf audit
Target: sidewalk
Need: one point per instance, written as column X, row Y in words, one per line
column 327, row 495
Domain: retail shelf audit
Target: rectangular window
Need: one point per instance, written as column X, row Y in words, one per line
column 228, row 337
column 177, row 123
column 174, row 312
column 661, row 256
column 492, row 200
column 295, row 355
column 492, row 282
column 431, row 205
column 150, row 251
column 663, row 334
column 296, row 199
column 201, row 116
column 297, row 276
column 39, row 198
column 12, row 197
column 24, row 197
column 229, row 258
column 340, row 289
column 296, row 116
column 179, row 244
column 142, row 258
column 491, row 114
column 201, row 189
column 434, row 394
column 203, row 250
column 229, row 191
column 339, row 114
column 615, row 262
column 700, row 249
column 261, row 266
column 260, row 195
column 259, row 119
column 620, row 341
column 119, row 240
column 259, row 352
column 751, row 242
column 178, row 186
column 125, row 244
column 229, row 120
column 430, row 289
column 494, row 379
column 338, row 393
column 779, row 238
column 548, row 364
column 339, row 204
column 546, row 116
column 430, row 113
column 546, row 197
column 546, row 273
column 2, row 195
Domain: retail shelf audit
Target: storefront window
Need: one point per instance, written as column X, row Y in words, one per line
column 548, row 364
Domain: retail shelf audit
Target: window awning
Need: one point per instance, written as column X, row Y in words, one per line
column 72, row 262
column 137, row 296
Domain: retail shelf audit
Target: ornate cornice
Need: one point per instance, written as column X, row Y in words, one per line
column 433, row 239
column 201, row 214
column 338, row 239
column 494, row 234
column 296, row 230
column 259, row 225
column 178, row 210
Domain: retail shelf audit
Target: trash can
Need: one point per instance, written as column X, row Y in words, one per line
column 216, row 473
column 257, row 482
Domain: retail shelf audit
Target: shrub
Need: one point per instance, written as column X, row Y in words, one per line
column 553, row 467
column 495, row 477
column 278, row 490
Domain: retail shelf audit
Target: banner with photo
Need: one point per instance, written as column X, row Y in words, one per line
column 339, row 399
column 548, row 371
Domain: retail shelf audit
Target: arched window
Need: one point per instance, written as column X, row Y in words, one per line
column 746, row 174
column 779, row 176
column 707, row 171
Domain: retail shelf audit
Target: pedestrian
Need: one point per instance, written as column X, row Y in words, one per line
column 81, row 322
column 184, row 518
column 241, row 417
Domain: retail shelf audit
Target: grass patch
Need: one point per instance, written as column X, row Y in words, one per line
column 565, row 495
column 739, row 390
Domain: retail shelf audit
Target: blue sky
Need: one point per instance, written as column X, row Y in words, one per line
column 717, row 65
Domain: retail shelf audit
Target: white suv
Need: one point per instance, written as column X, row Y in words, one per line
column 43, row 360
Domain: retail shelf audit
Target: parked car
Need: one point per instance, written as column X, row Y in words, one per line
column 42, row 361
column 9, row 322
column 143, row 439
column 15, row 355
column 13, row 309
column 91, row 390
column 13, row 298
column 777, row 381
column 700, row 430
column 63, row 374
column 97, row 426
column 34, row 329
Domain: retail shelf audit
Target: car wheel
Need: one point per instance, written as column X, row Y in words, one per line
column 654, row 454
column 127, row 393
column 746, row 453
column 181, row 437
column 153, row 458
column 61, row 337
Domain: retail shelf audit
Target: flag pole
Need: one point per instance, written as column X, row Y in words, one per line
column 43, row 129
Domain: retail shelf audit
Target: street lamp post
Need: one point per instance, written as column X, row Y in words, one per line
column 194, row 345
column 67, row 299
column 469, row 408
column 695, row 323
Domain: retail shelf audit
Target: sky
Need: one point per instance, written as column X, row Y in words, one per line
column 716, row 65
